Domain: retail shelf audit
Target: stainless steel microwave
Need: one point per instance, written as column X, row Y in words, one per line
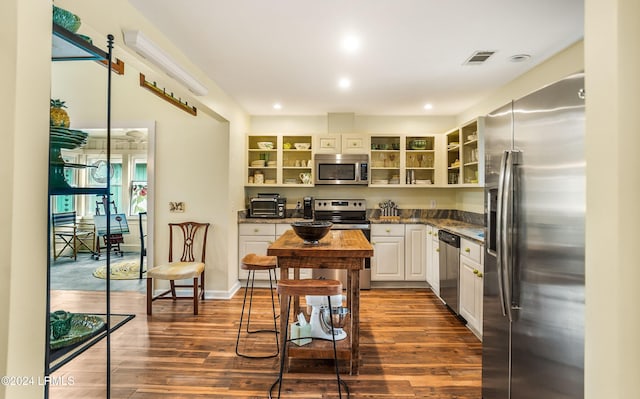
column 268, row 206
column 341, row 169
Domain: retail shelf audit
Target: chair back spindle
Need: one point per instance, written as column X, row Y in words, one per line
column 189, row 231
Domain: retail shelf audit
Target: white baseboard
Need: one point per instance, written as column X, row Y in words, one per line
column 208, row 294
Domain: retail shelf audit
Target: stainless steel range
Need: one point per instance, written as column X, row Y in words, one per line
column 345, row 214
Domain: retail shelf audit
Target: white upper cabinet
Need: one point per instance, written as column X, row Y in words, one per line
column 327, row 144
column 355, row 143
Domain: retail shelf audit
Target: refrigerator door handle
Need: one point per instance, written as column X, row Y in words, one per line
column 512, row 158
column 489, row 238
column 501, row 229
column 513, row 191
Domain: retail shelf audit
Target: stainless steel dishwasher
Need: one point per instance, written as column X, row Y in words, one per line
column 449, row 269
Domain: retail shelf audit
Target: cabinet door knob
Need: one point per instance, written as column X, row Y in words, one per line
column 475, row 271
column 467, row 250
column 388, row 230
column 256, row 230
column 479, row 274
column 437, row 249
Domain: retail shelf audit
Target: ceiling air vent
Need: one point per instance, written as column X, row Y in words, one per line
column 479, row 57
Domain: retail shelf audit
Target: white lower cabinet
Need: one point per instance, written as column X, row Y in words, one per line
column 256, row 238
column 398, row 252
column 433, row 259
column 387, row 263
column 471, row 284
column 414, row 262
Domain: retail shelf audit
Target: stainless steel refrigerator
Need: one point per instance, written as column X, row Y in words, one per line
column 533, row 320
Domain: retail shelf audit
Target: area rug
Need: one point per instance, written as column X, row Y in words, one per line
column 120, row 271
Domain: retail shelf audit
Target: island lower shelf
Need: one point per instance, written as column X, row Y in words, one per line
column 322, row 349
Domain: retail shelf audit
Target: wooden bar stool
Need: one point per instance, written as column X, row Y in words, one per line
column 253, row 263
column 293, row 288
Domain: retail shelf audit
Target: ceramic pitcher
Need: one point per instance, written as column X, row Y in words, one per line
column 306, row 178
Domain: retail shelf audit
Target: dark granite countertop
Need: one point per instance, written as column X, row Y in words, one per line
column 467, row 224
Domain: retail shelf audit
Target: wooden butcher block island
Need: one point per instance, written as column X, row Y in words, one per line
column 339, row 249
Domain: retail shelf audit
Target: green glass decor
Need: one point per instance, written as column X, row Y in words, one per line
column 60, row 322
column 66, row 19
column 82, row 328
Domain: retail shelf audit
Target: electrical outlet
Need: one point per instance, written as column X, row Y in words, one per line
column 432, row 204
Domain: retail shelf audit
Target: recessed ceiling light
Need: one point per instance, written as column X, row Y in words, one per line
column 428, row 106
column 350, row 44
column 277, row 106
column 344, row 83
column 519, row 57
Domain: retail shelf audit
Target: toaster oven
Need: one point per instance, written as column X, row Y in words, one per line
column 268, row 206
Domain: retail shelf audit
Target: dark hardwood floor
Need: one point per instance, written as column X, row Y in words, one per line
column 411, row 346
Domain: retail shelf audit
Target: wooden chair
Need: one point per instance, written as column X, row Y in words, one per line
column 252, row 263
column 292, row 288
column 192, row 238
column 71, row 234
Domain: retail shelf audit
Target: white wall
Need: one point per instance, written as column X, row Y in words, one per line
column 23, row 177
column 191, row 153
column 565, row 63
column 366, row 124
column 408, row 198
column 612, row 62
